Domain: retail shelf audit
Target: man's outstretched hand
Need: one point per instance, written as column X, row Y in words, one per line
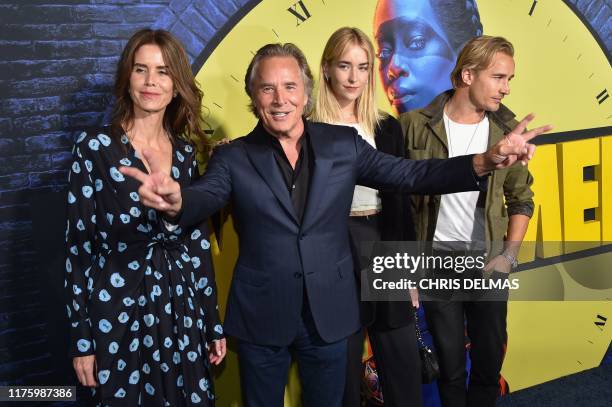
column 157, row 190
column 513, row 147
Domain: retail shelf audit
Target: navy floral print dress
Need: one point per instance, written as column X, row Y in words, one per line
column 143, row 299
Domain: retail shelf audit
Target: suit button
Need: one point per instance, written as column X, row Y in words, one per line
column 297, row 275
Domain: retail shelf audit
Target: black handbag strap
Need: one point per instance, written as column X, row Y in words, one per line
column 417, row 329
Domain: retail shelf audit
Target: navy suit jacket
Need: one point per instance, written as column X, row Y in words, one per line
column 280, row 260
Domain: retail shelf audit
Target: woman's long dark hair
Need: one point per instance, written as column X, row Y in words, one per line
column 182, row 118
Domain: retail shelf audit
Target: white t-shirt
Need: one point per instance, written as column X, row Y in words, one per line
column 364, row 198
column 459, row 219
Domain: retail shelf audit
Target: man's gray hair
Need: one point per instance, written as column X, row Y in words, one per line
column 280, row 50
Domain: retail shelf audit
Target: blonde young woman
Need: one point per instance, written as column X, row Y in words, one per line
column 346, row 96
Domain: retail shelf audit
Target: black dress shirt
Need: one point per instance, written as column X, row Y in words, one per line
column 296, row 179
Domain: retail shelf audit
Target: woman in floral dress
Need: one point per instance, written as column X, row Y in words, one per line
column 143, row 304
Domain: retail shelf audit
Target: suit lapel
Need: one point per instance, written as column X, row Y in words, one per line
column 262, row 158
column 320, row 145
column 437, row 128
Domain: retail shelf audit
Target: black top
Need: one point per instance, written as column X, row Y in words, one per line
column 395, row 225
column 297, row 180
column 396, row 218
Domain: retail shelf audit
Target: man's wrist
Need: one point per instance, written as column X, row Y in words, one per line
column 480, row 167
column 510, row 259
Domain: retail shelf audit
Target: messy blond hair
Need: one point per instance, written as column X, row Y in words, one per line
column 477, row 55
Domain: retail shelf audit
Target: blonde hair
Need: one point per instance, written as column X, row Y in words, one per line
column 327, row 109
column 477, row 55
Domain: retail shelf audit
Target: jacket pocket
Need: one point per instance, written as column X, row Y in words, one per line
column 251, row 276
column 345, row 267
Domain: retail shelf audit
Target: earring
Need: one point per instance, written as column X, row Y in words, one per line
column 175, row 94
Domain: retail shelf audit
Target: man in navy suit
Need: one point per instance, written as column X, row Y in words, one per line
column 291, row 184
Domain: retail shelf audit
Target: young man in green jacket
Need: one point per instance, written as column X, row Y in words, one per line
column 466, row 120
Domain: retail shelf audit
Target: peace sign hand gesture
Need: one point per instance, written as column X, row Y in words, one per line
column 157, row 190
column 513, row 147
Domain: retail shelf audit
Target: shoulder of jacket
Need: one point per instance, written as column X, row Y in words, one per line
column 341, row 133
column 326, row 127
column 388, row 126
column 413, row 116
column 389, row 121
column 234, row 145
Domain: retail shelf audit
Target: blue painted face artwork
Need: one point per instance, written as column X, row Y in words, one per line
column 414, row 53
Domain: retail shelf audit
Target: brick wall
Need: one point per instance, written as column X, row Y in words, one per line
column 58, row 61
column 598, row 14
column 57, row 65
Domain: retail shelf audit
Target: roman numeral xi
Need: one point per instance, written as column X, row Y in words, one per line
column 301, row 15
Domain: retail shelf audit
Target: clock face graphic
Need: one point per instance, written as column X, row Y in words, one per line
column 563, row 75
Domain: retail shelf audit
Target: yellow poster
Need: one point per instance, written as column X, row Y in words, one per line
column 562, row 75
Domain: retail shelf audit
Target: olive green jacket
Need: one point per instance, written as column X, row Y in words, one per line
column 425, row 137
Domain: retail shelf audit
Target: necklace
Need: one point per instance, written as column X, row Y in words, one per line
column 447, row 124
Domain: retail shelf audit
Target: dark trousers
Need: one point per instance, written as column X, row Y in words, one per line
column 397, row 363
column 486, row 327
column 322, row 368
column 395, row 350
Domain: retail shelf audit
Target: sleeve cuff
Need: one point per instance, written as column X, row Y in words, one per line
column 82, row 343
column 481, row 182
column 521, row 209
column 214, row 332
